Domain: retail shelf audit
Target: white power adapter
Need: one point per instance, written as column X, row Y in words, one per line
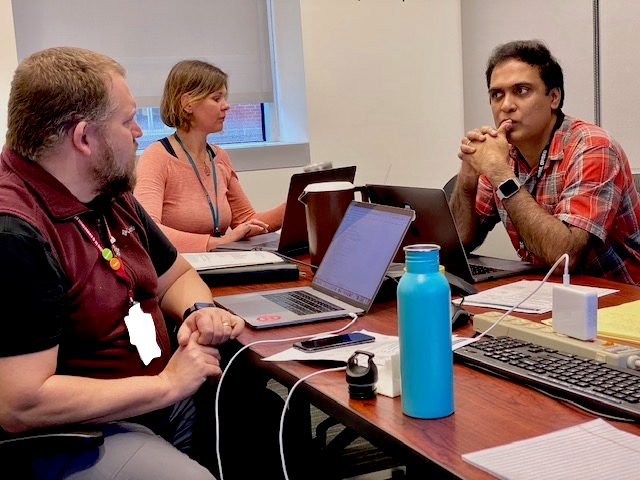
column 575, row 312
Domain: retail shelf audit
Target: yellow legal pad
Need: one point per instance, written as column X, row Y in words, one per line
column 621, row 321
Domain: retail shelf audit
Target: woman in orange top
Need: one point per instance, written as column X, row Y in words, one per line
column 188, row 186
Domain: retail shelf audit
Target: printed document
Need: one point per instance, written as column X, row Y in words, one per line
column 236, row 258
column 506, row 296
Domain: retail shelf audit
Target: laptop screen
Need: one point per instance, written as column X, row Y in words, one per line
column 362, row 248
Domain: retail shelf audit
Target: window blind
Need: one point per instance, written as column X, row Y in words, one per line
column 149, row 36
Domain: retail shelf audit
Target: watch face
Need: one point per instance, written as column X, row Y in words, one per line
column 196, row 306
column 509, row 187
column 200, row 305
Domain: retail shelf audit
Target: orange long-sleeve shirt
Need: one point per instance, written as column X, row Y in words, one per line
column 170, row 192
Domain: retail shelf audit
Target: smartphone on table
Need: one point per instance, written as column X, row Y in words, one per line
column 334, row 341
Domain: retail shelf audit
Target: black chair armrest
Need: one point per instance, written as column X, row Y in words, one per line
column 72, row 437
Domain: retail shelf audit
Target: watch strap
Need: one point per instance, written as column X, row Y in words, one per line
column 196, row 306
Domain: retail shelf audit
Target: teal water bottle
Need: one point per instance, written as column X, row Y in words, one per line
column 424, row 330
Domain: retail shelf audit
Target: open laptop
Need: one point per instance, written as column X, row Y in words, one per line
column 293, row 237
column 434, row 223
column 347, row 279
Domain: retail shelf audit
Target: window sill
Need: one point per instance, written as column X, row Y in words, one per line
column 270, row 155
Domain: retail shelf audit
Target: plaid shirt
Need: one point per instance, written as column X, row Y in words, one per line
column 586, row 182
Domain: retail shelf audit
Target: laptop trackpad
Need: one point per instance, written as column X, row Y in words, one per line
column 251, row 305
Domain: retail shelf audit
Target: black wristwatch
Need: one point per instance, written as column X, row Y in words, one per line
column 508, row 188
column 194, row 307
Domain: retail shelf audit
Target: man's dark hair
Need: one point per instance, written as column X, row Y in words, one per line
column 536, row 54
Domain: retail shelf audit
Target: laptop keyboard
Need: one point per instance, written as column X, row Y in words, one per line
column 481, row 269
column 271, row 244
column 602, row 387
column 301, row 303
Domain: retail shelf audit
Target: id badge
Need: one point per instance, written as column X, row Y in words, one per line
column 142, row 333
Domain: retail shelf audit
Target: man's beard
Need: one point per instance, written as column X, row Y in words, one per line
column 110, row 178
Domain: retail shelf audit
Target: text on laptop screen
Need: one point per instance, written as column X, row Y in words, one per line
column 360, row 252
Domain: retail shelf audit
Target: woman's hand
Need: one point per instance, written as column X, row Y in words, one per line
column 247, row 229
column 244, row 230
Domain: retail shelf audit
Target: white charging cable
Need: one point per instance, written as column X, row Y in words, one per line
column 286, row 407
column 565, row 281
column 217, row 399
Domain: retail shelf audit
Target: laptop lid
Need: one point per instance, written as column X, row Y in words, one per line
column 293, row 237
column 434, row 223
column 349, row 275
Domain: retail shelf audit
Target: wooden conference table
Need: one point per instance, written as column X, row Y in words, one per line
column 489, row 411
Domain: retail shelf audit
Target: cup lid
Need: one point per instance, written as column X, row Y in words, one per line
column 328, row 186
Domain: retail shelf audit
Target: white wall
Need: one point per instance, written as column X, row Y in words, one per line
column 384, row 92
column 8, row 60
column 620, row 74
column 566, row 28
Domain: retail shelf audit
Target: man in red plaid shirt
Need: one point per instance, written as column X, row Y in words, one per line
column 559, row 184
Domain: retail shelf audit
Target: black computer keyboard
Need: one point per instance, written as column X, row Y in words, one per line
column 477, row 269
column 301, row 302
column 596, row 386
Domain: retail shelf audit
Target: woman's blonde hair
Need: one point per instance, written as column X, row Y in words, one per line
column 195, row 78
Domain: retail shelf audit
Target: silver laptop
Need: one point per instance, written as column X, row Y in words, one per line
column 434, row 223
column 293, row 237
column 347, row 279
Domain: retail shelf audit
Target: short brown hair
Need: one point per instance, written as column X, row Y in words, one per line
column 54, row 89
column 195, row 78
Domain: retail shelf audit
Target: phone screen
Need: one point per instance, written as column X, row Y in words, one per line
column 334, row 342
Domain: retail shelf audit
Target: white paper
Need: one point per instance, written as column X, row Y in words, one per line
column 209, row 260
column 384, row 346
column 591, row 451
column 386, row 351
column 459, row 342
column 142, row 333
column 506, row 296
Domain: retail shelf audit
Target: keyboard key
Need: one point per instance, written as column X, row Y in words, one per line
column 481, row 269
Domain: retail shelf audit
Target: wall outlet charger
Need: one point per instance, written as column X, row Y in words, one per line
column 575, row 312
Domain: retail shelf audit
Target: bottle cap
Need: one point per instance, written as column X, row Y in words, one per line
column 362, row 379
column 422, row 247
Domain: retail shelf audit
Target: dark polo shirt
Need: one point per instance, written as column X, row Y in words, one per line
column 56, row 289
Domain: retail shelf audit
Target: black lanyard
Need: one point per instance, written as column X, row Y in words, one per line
column 214, row 212
column 545, row 153
column 543, row 160
column 541, row 163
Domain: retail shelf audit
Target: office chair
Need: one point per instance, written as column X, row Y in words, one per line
column 63, row 437
column 20, row 449
column 636, row 180
column 449, row 186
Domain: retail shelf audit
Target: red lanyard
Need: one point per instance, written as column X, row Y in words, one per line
column 140, row 326
column 115, row 263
